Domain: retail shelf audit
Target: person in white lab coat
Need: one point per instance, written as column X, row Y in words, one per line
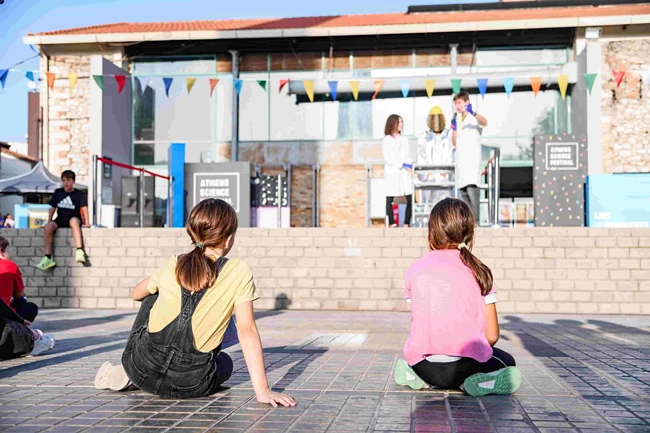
column 467, row 127
column 398, row 167
column 435, row 147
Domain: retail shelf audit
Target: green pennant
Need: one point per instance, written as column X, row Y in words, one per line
column 455, row 85
column 99, row 79
column 590, row 78
column 262, row 83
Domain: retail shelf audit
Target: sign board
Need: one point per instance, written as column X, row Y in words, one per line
column 224, row 186
column 618, row 200
column 559, row 176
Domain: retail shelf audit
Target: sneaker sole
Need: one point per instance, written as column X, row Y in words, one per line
column 506, row 382
column 401, row 370
column 110, row 377
column 45, row 268
column 53, row 342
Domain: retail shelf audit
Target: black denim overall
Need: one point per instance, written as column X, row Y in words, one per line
column 167, row 363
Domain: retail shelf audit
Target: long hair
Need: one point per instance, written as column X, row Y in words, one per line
column 210, row 223
column 451, row 224
column 391, row 124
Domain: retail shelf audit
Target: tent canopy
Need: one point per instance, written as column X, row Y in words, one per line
column 36, row 181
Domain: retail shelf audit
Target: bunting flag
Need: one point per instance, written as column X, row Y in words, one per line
column 99, row 80
column 72, row 78
column 508, row 85
column 213, row 83
column 378, row 85
column 535, row 84
column 168, row 83
column 282, row 84
column 309, row 89
column 455, row 85
column 262, row 83
column 590, row 79
column 121, row 80
column 50, row 79
column 3, row 76
column 354, row 85
column 144, row 82
column 430, row 85
column 563, row 82
column 618, row 76
column 238, row 85
column 482, row 86
column 29, row 75
column 405, row 85
column 333, row 86
column 189, row 83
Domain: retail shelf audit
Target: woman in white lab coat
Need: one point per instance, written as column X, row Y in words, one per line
column 398, row 167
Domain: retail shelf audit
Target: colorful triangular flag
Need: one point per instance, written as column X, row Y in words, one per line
column 354, row 86
column 262, row 83
column 618, row 76
column 168, row 83
column 482, row 86
column 238, row 85
column 378, row 85
column 99, row 80
column 213, row 83
column 309, row 89
column 563, row 83
column 50, row 79
column 144, row 82
column 29, row 75
column 282, row 84
column 430, row 85
column 405, row 85
column 72, row 78
column 3, row 76
column 121, row 80
column 590, row 79
column 189, row 83
column 455, row 85
column 333, row 87
column 535, row 84
column 508, row 85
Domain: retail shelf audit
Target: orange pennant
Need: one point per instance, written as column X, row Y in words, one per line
column 50, row 79
column 378, row 85
column 282, row 84
column 618, row 76
column 536, row 84
column 121, row 79
column 213, row 83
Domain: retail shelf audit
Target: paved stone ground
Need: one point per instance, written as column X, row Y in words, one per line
column 580, row 374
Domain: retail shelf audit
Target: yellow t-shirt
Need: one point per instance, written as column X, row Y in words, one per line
column 233, row 287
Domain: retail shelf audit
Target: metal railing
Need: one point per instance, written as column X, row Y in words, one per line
column 492, row 187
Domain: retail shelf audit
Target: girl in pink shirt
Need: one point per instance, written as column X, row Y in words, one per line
column 454, row 323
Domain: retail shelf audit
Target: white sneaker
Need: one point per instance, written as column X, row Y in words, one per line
column 44, row 343
column 111, row 377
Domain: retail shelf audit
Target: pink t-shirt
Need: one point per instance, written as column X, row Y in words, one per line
column 447, row 309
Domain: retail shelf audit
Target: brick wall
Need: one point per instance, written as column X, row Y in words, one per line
column 555, row 270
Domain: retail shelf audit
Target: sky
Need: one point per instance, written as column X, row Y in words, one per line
column 19, row 17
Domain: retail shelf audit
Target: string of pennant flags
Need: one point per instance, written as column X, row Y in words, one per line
column 308, row 85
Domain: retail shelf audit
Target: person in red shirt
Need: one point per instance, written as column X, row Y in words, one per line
column 12, row 289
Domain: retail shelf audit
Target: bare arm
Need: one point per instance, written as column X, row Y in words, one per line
column 140, row 292
column 51, row 214
column 481, row 120
column 84, row 216
column 491, row 324
column 251, row 346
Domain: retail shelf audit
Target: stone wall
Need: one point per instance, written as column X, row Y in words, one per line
column 625, row 120
column 555, row 270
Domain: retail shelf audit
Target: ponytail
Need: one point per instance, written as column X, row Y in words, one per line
column 195, row 271
column 481, row 272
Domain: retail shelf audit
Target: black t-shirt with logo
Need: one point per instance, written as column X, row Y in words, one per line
column 68, row 204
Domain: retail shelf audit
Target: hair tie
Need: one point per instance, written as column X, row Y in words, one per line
column 462, row 245
column 199, row 245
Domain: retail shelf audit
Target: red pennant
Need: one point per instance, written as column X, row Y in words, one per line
column 378, row 85
column 121, row 80
column 50, row 79
column 213, row 83
column 282, row 84
column 618, row 76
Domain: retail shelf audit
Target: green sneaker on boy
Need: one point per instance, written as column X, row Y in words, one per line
column 505, row 381
column 46, row 263
column 405, row 376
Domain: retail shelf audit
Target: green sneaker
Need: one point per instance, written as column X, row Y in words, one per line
column 80, row 256
column 404, row 375
column 504, row 381
column 46, row 264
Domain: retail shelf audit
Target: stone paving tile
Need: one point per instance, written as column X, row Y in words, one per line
column 580, row 375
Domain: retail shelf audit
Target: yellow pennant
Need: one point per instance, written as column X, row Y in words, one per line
column 189, row 82
column 309, row 89
column 563, row 82
column 430, row 84
column 354, row 85
column 72, row 77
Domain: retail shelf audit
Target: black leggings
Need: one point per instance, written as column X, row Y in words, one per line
column 453, row 374
column 407, row 215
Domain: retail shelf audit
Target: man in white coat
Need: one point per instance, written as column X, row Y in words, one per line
column 398, row 167
column 467, row 128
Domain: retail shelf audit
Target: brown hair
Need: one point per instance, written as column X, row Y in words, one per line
column 69, row 174
column 462, row 95
column 209, row 225
column 4, row 244
column 436, row 122
column 451, row 224
column 391, row 124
